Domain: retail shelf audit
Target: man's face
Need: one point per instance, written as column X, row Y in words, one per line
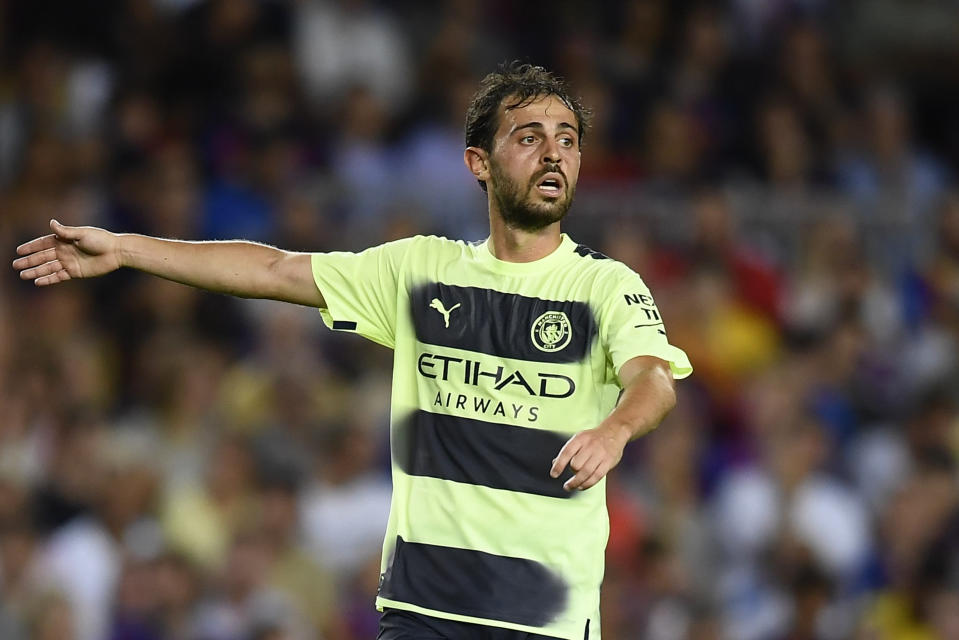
column 534, row 163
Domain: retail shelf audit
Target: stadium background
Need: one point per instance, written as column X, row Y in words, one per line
column 781, row 172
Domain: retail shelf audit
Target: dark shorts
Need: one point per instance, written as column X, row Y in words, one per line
column 396, row 624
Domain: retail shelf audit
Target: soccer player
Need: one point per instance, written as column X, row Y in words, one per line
column 509, row 357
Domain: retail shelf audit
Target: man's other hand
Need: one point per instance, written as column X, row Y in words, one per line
column 591, row 454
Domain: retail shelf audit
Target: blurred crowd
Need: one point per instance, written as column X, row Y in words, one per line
column 178, row 465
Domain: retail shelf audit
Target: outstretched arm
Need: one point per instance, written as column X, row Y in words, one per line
column 649, row 393
column 238, row 268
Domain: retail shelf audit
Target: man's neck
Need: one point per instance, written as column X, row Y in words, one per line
column 517, row 245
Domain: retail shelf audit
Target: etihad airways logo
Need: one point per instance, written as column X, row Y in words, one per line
column 471, row 372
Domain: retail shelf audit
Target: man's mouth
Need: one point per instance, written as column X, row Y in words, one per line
column 551, row 185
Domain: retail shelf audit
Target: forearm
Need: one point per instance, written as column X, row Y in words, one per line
column 239, row 268
column 648, row 395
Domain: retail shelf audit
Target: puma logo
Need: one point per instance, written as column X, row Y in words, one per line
column 436, row 304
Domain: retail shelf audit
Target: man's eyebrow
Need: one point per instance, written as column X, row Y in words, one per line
column 539, row 126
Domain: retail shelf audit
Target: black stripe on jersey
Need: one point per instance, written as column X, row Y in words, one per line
column 474, row 583
column 496, row 323
column 344, row 325
column 483, row 453
column 585, row 251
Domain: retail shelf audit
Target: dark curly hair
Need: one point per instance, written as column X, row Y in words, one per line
column 520, row 83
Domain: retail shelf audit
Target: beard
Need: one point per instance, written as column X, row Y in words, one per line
column 517, row 205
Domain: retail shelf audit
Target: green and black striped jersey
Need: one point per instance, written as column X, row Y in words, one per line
column 496, row 365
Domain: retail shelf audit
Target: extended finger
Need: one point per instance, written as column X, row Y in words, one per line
column 585, row 472
column 595, row 477
column 563, row 457
column 37, row 244
column 44, row 269
column 65, row 232
column 579, row 460
column 34, row 259
column 53, row 278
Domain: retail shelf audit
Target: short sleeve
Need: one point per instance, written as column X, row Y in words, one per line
column 631, row 326
column 360, row 289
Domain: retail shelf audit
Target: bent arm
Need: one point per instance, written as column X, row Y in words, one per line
column 649, row 393
column 239, row 268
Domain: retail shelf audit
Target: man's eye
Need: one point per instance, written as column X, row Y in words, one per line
column 567, row 142
column 528, row 139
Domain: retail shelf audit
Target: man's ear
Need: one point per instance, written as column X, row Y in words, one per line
column 477, row 161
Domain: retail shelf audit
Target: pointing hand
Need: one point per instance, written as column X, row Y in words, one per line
column 69, row 252
column 590, row 454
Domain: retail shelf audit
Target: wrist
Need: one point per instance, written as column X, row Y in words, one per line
column 620, row 432
column 122, row 249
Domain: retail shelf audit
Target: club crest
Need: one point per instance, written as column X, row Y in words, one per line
column 551, row 331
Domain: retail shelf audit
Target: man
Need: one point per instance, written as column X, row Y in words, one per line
column 509, row 356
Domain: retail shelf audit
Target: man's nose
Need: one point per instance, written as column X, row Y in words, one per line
column 551, row 153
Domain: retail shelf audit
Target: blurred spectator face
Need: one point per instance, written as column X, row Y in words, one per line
column 247, row 566
column 271, row 633
column 173, row 205
column 935, row 425
column 949, row 225
column 944, row 614
column 672, row 144
column 137, row 592
column 707, row 627
column 889, row 128
column 138, row 121
column 796, row 451
column 628, row 244
column 230, row 469
column 43, row 74
column 277, row 165
column 176, row 583
column 806, row 63
column 231, row 20
column 279, row 514
column 673, row 456
column 831, row 244
column 842, row 353
column 302, row 225
column 52, row 619
column 128, row 494
column 784, row 144
column 13, row 499
column 364, row 117
column 46, row 163
column 713, row 222
column 78, row 467
column 345, row 452
column 521, row 156
column 706, row 41
column 644, row 22
column 914, row 516
column 600, row 99
column 17, row 545
column 664, row 570
column 269, row 79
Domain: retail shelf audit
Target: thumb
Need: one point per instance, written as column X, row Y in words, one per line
column 64, row 232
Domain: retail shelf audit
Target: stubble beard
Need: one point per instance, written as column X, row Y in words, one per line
column 516, row 202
